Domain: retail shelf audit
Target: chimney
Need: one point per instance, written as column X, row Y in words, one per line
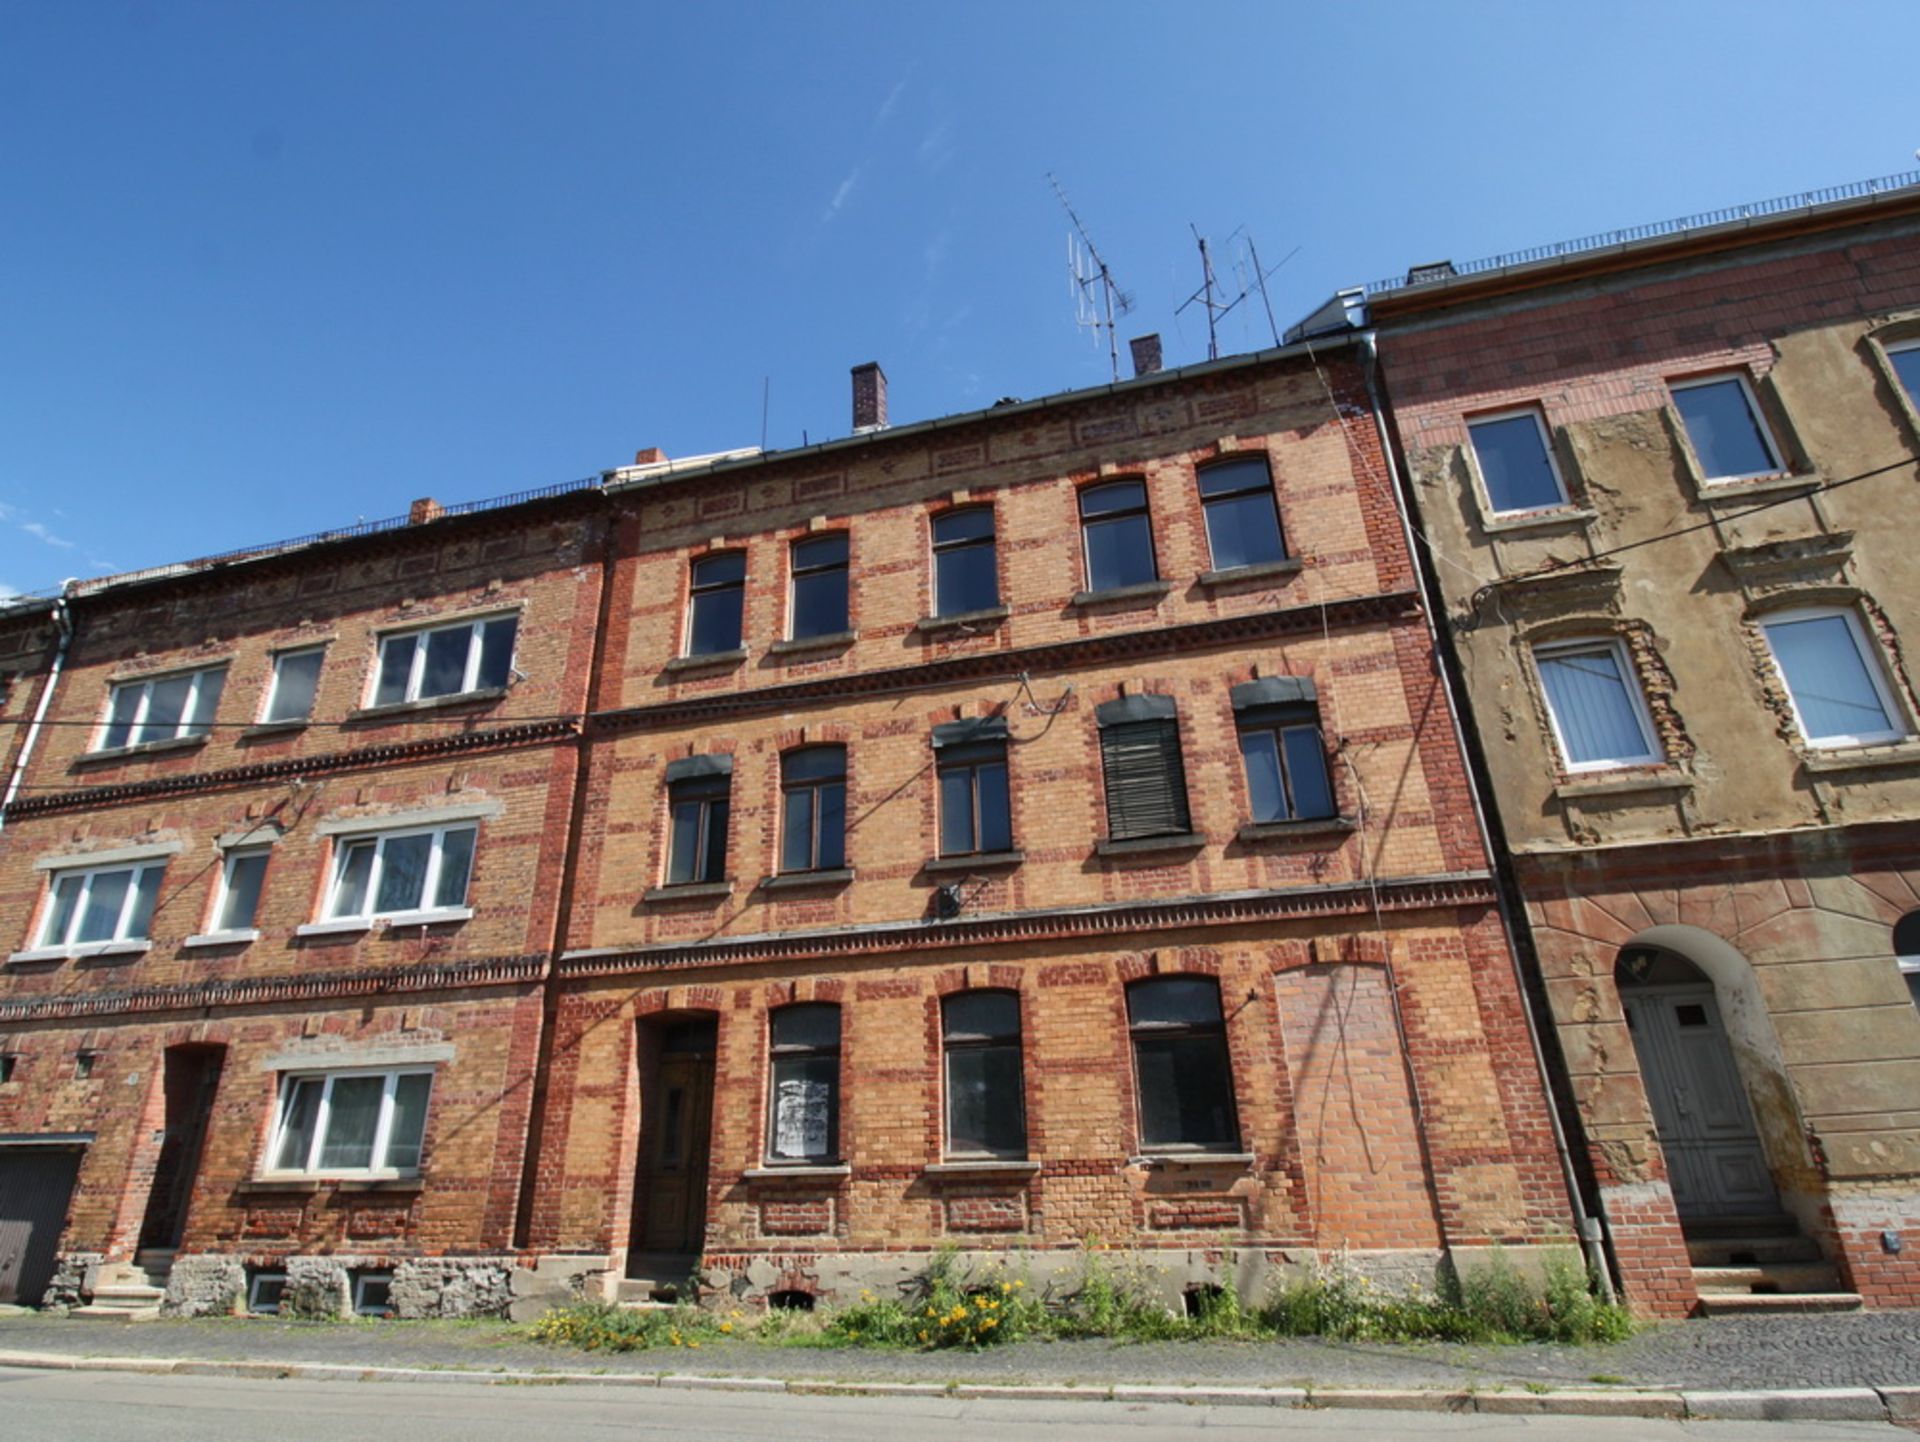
column 423, row 510
column 869, row 398
column 1146, row 354
column 650, row 456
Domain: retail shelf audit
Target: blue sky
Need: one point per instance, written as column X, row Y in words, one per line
column 267, row 268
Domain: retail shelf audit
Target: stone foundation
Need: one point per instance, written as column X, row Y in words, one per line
column 72, row 1284
column 205, row 1286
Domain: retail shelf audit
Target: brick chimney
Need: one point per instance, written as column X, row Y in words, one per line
column 423, row 510
column 650, row 456
column 1146, row 354
column 869, row 398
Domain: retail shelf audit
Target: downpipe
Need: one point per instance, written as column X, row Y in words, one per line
column 63, row 625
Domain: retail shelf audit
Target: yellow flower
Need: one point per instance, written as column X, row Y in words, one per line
column 694, row 1345
column 1006, row 1286
column 923, row 1336
column 726, row 1326
column 1018, row 1285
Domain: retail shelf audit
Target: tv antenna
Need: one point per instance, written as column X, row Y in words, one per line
column 1217, row 310
column 1098, row 301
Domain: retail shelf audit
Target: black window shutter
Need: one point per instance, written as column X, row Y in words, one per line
column 1146, row 780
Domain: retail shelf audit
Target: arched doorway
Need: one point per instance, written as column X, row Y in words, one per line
column 1716, row 1164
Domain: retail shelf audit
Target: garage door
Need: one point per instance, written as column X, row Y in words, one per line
column 35, row 1186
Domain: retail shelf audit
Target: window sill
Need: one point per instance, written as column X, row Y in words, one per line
column 963, row 620
column 807, row 880
column 307, row 1186
column 1736, row 490
column 1255, row 832
column 223, row 938
column 982, row 1167
column 798, row 1172
column 1603, row 783
column 1193, row 1159
column 1122, row 595
column 426, row 916
column 708, row 661
column 144, row 748
column 1863, row 758
column 976, row 861
column 430, row 703
column 1147, row 845
column 799, row 645
column 687, row 891
column 1518, row 522
column 79, row 951
column 267, row 729
column 1261, row 571
column 334, row 928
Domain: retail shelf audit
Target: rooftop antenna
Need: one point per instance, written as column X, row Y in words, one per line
column 1217, row 309
column 1085, row 270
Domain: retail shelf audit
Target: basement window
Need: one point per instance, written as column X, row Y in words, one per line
column 265, row 1291
column 1724, row 428
column 446, row 661
column 372, row 1294
column 163, row 708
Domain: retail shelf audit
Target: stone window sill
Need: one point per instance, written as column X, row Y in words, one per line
column 223, row 938
column 1312, row 827
column 800, row 645
column 395, row 709
column 345, row 925
column 1148, row 845
column 1261, row 571
column 308, row 1186
column 144, row 748
column 1862, row 758
column 1740, row 490
column 1631, row 783
column 710, row 661
column 1193, row 1159
column 977, row 861
column 1122, row 595
column 79, row 951
column 962, row 620
column 807, row 880
column 980, row 1167
column 687, row 891
column 823, row 1172
column 268, row 729
column 1521, row 522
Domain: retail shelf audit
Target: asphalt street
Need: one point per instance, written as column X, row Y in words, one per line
column 71, row 1407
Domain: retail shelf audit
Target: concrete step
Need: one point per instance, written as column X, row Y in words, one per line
column 122, row 1302
column 635, row 1304
column 156, row 1262
column 1776, row 1304
column 635, row 1291
column 1769, row 1225
column 1771, row 1277
column 1749, row 1251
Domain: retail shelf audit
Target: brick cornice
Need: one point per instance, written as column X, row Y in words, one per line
column 1047, row 656
column 269, row 990
column 1235, row 908
column 1795, row 851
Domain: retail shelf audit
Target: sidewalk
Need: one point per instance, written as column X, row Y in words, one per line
column 1858, row 1366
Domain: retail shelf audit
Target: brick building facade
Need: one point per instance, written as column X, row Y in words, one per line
column 1661, row 484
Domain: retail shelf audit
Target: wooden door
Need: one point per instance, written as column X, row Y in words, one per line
column 36, row 1184
column 676, row 1180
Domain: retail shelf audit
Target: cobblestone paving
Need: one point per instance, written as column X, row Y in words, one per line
column 1861, row 1349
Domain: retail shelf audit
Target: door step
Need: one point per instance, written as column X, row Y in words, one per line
column 1771, row 1278
column 122, row 1302
column 1751, row 1251
column 662, row 1277
column 1776, row 1304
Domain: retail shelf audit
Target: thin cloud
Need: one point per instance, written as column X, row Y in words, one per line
column 841, row 194
column 41, row 533
column 935, row 253
column 885, row 112
column 937, row 147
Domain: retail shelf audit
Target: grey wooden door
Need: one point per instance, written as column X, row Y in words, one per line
column 1714, row 1159
column 36, row 1183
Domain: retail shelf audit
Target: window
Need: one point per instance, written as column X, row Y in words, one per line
column 1840, row 694
column 1905, row 360
column 1278, row 718
column 1516, row 462
column 1146, row 780
column 1243, row 525
column 813, row 809
column 101, row 905
column 1119, row 537
column 446, row 661
column 965, row 572
column 296, row 676
column 803, row 1107
column 1723, row 425
column 239, row 896
column 1180, row 1060
column 8, row 1064
column 970, row 762
column 986, row 1111
column 162, row 709
column 1599, row 717
column 698, row 792
column 398, row 872
column 716, row 602
column 819, row 586
column 84, row 1063
column 265, row 1291
column 372, row 1293
column 352, row 1122
column 1906, row 951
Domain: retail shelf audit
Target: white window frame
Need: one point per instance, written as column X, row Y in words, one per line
column 273, row 685
column 1869, row 658
column 1636, row 695
column 1761, row 424
column 49, row 946
column 1539, row 419
column 473, row 626
column 331, row 920
column 185, row 727
column 217, row 935
column 1892, row 348
column 382, row 1132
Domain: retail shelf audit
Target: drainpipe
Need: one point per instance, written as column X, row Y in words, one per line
column 63, row 625
column 1591, row 1239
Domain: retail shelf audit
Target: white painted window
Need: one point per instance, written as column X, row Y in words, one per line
column 239, row 898
column 101, row 905
column 296, row 677
column 1834, row 677
column 1905, row 360
column 351, row 1123
column 1599, row 717
column 1516, row 462
column 416, row 874
column 1728, row 435
column 446, row 660
column 162, row 708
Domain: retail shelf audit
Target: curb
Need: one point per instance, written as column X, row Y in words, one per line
column 1806, row 1404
